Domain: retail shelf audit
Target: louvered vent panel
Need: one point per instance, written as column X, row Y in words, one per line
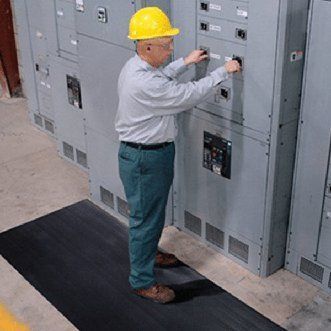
column 214, row 235
column 81, row 158
column 311, row 269
column 49, row 126
column 107, row 197
column 68, row 151
column 122, row 207
column 238, row 249
column 38, row 120
column 193, row 223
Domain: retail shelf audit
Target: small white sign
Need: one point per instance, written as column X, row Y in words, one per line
column 328, row 214
column 60, row 13
column 215, row 28
column 80, row 5
column 42, row 83
column 215, row 56
column 215, row 7
column 48, row 85
column 73, row 42
column 296, row 56
column 241, row 12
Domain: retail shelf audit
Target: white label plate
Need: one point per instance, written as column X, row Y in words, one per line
column 215, row 28
column 241, row 12
column 215, row 7
column 80, row 5
column 215, row 56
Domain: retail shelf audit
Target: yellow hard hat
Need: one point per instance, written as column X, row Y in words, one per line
column 150, row 22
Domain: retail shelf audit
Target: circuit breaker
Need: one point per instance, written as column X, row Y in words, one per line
column 74, row 93
column 217, row 155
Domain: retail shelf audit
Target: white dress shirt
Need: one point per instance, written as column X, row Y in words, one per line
column 149, row 99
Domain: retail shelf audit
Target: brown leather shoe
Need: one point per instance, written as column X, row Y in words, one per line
column 165, row 260
column 157, row 293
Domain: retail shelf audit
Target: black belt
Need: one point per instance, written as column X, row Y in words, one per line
column 148, row 147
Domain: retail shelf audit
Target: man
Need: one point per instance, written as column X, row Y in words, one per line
column 149, row 99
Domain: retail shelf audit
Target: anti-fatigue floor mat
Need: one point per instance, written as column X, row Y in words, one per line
column 77, row 258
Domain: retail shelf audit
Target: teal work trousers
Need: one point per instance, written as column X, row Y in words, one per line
column 147, row 176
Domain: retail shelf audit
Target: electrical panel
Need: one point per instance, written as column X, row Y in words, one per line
column 69, row 112
column 222, row 30
column 104, row 48
column 309, row 238
column 105, row 20
column 236, row 150
column 65, row 21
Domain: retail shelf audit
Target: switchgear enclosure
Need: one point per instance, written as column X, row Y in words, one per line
column 103, row 49
column 69, row 110
column 257, row 111
column 309, row 241
column 25, row 55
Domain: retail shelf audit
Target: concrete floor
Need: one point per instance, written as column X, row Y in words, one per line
column 35, row 181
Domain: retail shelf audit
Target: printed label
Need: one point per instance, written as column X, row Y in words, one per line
column 215, row 28
column 80, row 5
column 215, row 56
column 242, row 13
column 296, row 56
column 215, row 7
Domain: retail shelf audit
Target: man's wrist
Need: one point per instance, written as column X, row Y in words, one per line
column 187, row 61
column 219, row 75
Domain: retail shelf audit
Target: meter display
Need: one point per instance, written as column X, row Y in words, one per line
column 217, row 155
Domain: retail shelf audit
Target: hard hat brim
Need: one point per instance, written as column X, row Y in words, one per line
column 169, row 33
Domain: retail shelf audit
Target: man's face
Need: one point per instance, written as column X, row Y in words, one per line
column 160, row 49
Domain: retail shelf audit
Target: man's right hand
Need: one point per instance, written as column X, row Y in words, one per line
column 232, row 66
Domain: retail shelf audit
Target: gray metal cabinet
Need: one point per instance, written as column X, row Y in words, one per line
column 25, row 59
column 70, row 111
column 106, row 20
column 309, row 241
column 237, row 150
column 105, row 185
column 100, row 65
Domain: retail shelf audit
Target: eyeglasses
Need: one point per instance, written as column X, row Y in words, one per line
column 166, row 47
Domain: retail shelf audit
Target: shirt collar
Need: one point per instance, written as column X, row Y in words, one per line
column 143, row 64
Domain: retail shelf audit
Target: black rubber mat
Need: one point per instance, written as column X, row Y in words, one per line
column 77, row 258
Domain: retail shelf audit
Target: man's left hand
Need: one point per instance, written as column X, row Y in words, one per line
column 196, row 57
